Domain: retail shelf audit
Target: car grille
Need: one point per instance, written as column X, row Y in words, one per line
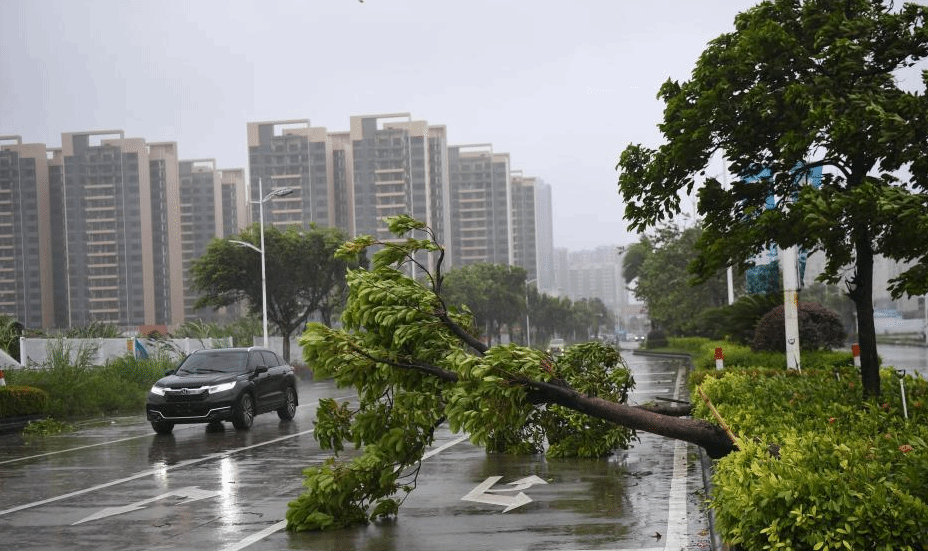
column 185, row 409
column 185, row 395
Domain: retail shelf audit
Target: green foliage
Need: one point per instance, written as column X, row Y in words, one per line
column 303, row 274
column 845, row 474
column 494, row 294
column 664, row 284
column 599, row 371
column 10, row 331
column 94, row 330
column 819, row 328
column 657, row 338
column 77, row 388
column 46, row 427
column 738, row 357
column 736, row 321
column 413, row 372
column 242, row 330
column 18, row 401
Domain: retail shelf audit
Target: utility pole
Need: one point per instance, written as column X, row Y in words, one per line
column 789, row 262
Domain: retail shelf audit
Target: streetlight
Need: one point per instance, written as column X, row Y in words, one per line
column 279, row 192
column 528, row 328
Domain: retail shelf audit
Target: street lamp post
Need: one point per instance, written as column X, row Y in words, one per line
column 279, row 192
column 528, row 327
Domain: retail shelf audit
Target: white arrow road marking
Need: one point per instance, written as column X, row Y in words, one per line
column 522, row 484
column 480, row 493
column 188, row 494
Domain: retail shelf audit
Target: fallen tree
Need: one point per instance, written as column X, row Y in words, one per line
column 417, row 362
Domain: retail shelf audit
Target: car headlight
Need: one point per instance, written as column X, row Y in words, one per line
column 215, row 389
column 159, row 390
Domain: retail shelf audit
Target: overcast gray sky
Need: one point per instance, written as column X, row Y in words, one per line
column 562, row 86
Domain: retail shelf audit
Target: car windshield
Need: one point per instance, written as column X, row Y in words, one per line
column 218, row 361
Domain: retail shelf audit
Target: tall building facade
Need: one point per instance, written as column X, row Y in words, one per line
column 166, row 241
column 480, row 205
column 106, row 228
column 104, row 252
column 290, row 154
column 234, row 201
column 524, row 238
column 121, row 220
column 201, row 219
column 25, row 232
column 593, row 273
column 544, row 237
column 397, row 166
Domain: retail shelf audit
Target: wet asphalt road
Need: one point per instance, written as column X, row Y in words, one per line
column 116, row 485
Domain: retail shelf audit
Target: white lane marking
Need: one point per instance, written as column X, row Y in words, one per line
column 152, row 472
column 159, row 470
column 258, row 536
column 676, row 511
column 188, row 494
column 444, row 447
column 147, row 434
column 677, row 523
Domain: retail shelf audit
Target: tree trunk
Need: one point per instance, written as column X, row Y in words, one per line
column 286, row 347
column 710, row 437
column 862, row 295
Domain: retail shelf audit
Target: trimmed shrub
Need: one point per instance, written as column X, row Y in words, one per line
column 819, row 328
column 818, row 468
column 738, row 356
column 19, row 401
column 657, row 338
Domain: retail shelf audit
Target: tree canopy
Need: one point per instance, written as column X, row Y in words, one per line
column 494, row 293
column 801, row 86
column 416, row 363
column 672, row 294
column 303, row 275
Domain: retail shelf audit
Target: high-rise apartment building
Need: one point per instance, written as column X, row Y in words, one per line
column 234, row 201
column 165, row 238
column 25, row 228
column 591, row 274
column 104, row 251
column 201, row 219
column 397, row 166
column 291, row 154
column 480, row 205
column 544, row 237
column 524, row 243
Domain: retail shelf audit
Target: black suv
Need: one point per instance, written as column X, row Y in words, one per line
column 223, row 384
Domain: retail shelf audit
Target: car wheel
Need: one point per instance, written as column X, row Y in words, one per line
column 162, row 427
column 244, row 413
column 288, row 410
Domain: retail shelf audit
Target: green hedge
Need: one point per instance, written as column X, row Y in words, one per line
column 20, row 401
column 79, row 389
column 819, row 468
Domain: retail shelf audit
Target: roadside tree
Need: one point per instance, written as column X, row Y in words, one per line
column 303, row 276
column 801, row 85
column 673, row 296
column 494, row 293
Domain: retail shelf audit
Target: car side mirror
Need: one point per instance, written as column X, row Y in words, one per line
column 169, row 372
column 260, row 369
